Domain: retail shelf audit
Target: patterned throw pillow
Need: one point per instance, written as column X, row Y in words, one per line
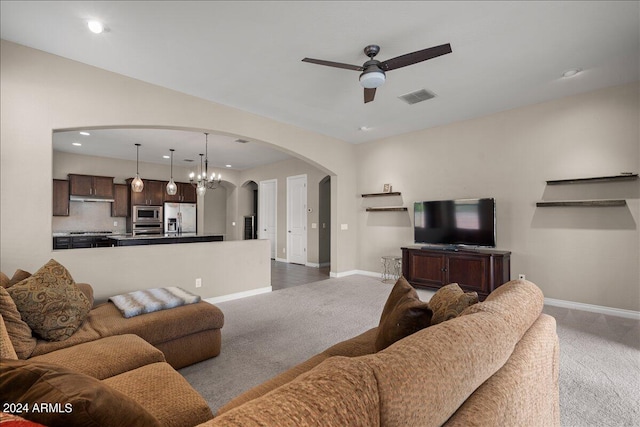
column 449, row 301
column 50, row 302
column 403, row 315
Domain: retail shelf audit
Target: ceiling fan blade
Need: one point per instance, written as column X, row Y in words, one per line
column 333, row 64
column 415, row 57
column 369, row 94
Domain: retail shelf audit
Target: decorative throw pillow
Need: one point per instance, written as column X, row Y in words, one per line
column 19, row 332
column 4, row 280
column 449, row 301
column 78, row 399
column 50, row 302
column 19, row 276
column 402, row 315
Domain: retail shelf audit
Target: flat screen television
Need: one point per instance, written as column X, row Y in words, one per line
column 463, row 222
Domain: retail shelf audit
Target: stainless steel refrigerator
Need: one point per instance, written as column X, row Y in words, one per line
column 180, row 218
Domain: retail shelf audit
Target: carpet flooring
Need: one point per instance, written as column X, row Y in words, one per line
column 266, row 334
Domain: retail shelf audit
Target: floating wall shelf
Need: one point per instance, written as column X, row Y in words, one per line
column 390, row 209
column 616, row 178
column 381, row 194
column 582, row 203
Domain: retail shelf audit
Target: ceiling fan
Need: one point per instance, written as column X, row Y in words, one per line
column 373, row 71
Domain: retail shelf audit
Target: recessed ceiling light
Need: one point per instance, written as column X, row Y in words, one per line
column 85, row 133
column 364, row 128
column 77, row 144
column 572, row 72
column 166, row 157
column 95, row 26
column 228, row 166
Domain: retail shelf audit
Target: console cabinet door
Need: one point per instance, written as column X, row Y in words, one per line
column 471, row 272
column 425, row 268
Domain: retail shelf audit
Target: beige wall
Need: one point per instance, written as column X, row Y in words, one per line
column 587, row 255
column 42, row 92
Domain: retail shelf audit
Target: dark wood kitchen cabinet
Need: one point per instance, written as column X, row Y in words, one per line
column 480, row 270
column 152, row 193
column 60, row 197
column 120, row 205
column 186, row 194
column 89, row 185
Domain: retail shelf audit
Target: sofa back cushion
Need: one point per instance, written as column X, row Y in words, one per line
column 424, row 378
column 341, row 391
column 69, row 399
column 19, row 332
column 6, row 347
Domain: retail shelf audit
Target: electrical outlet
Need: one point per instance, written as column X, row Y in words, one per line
column 522, row 277
column 198, row 283
column 115, row 223
column 284, row 250
column 344, row 226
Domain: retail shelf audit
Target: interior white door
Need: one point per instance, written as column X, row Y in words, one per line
column 297, row 219
column 267, row 194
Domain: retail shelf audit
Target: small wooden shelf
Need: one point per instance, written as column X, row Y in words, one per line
column 616, row 178
column 395, row 193
column 388, row 209
column 582, row 203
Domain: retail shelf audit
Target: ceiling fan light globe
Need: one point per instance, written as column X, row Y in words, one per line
column 372, row 79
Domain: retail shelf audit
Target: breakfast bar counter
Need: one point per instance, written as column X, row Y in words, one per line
column 162, row 239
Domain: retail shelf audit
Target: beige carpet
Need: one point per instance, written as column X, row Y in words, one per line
column 266, row 334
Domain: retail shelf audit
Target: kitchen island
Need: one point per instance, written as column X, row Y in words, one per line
column 163, row 239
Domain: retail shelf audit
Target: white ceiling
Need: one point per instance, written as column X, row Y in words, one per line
column 248, row 54
column 155, row 143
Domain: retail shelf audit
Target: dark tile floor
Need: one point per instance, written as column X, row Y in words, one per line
column 285, row 275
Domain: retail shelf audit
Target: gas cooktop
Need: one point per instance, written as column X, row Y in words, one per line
column 84, row 233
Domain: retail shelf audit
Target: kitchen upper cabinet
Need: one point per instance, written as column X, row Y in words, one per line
column 120, row 205
column 152, row 194
column 186, row 194
column 60, row 197
column 89, row 185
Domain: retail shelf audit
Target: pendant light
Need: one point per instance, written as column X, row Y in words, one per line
column 172, row 188
column 203, row 180
column 137, row 185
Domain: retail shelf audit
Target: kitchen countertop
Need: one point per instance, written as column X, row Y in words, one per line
column 158, row 239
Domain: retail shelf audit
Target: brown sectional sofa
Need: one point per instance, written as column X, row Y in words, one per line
column 494, row 365
column 114, row 370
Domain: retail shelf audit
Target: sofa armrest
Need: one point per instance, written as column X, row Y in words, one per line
column 105, row 357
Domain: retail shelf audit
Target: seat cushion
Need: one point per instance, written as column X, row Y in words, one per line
column 77, row 399
column 117, row 354
column 164, row 393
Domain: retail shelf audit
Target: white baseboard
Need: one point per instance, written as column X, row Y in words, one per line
column 600, row 309
column 281, row 259
column 239, row 295
column 352, row 272
column 313, row 264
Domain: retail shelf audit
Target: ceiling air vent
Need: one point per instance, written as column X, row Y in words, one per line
column 241, row 141
column 417, row 96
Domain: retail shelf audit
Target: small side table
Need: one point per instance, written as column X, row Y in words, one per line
column 391, row 268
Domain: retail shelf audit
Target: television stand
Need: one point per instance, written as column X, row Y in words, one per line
column 480, row 270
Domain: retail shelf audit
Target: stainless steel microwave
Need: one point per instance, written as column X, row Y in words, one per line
column 147, row 214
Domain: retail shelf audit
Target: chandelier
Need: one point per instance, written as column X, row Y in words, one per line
column 203, row 181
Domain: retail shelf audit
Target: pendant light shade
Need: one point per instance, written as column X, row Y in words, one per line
column 172, row 188
column 137, row 185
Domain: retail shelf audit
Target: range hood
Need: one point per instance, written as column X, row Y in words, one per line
column 90, row 199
